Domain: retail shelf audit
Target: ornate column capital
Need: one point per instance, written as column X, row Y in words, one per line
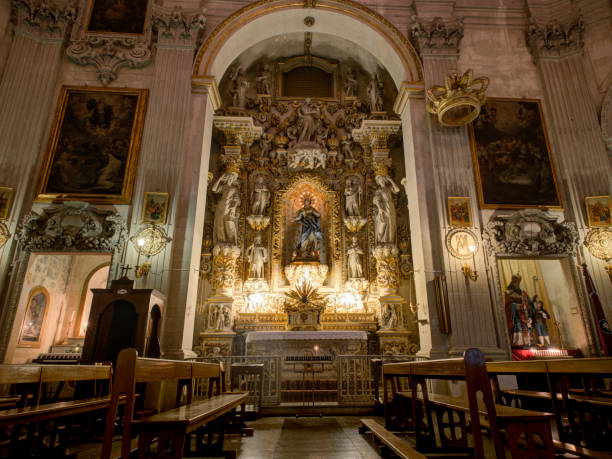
column 43, row 20
column 177, row 27
column 375, row 134
column 238, row 130
column 437, row 36
column 556, row 39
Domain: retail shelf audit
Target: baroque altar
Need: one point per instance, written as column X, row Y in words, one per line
column 307, row 231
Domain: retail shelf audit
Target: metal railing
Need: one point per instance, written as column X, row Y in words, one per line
column 358, row 378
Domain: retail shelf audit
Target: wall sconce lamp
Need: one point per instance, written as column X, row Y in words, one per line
column 149, row 241
column 468, row 272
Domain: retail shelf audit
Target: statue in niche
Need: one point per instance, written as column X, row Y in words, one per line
column 375, row 94
column 384, row 210
column 389, row 318
column 240, row 84
column 257, row 255
column 263, row 80
column 355, row 270
column 352, row 198
column 226, row 213
column 221, row 317
column 345, row 147
column 265, row 145
column 350, row 83
column 260, row 197
column 310, row 233
column 308, row 120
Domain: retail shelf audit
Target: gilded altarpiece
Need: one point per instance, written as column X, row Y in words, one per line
column 304, row 194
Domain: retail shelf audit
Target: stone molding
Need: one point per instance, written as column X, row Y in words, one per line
column 556, row 39
column 437, row 36
column 43, row 20
column 177, row 27
column 530, row 232
column 71, row 226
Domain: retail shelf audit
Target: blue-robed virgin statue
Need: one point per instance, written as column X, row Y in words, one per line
column 310, row 235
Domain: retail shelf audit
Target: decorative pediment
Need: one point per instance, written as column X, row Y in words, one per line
column 530, row 232
column 71, row 226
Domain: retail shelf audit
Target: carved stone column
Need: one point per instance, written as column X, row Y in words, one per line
column 218, row 336
column 558, row 50
column 438, row 43
column 26, row 102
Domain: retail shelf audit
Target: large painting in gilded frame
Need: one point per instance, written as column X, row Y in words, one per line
column 93, row 146
column 125, row 17
column 511, row 154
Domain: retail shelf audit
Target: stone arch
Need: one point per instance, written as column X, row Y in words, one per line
column 344, row 18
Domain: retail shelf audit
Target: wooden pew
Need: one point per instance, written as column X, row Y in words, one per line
column 390, row 441
column 44, row 429
column 24, row 382
column 204, row 417
column 451, row 412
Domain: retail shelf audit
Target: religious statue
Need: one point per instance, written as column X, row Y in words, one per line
column 260, row 197
column 265, row 144
column 345, row 147
column 375, row 94
column 221, row 317
column 389, row 318
column 310, row 234
column 257, row 256
column 308, row 119
column 240, row 84
column 352, row 198
column 263, row 80
column 519, row 312
column 541, row 316
column 355, row 271
column 350, row 83
column 226, row 214
column 384, row 210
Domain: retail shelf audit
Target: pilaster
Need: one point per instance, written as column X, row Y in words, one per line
column 472, row 313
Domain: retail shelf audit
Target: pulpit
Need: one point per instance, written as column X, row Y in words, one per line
column 121, row 317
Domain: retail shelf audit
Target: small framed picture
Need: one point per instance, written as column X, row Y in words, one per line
column 155, row 207
column 599, row 210
column 6, row 199
column 34, row 319
column 459, row 211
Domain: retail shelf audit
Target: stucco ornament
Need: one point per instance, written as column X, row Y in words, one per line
column 43, row 19
column 530, row 232
column 71, row 226
column 599, row 243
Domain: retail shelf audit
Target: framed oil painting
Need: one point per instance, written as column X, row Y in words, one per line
column 94, row 144
column 512, row 161
column 599, row 211
column 125, row 17
column 6, row 199
column 459, row 211
column 155, row 208
column 34, row 319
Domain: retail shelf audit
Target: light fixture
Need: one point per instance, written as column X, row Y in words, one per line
column 468, row 272
column 149, row 241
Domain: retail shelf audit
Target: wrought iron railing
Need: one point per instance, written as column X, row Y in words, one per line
column 358, row 379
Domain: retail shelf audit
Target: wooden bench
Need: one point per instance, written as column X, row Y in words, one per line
column 23, row 382
column 390, row 441
column 583, row 417
column 42, row 430
column 170, row 428
column 452, row 413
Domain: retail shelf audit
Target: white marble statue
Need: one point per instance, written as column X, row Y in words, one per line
column 226, row 213
column 257, row 256
column 263, row 80
column 352, row 198
column 260, row 197
column 350, row 83
column 384, row 210
column 354, row 252
column 375, row 94
column 345, row 147
column 240, row 84
column 308, row 119
column 389, row 319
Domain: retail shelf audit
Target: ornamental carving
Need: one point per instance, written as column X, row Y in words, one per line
column 224, row 266
column 530, row 232
column 71, row 226
column 599, row 243
column 387, row 268
column 178, row 26
column 437, row 34
column 555, row 39
column 43, row 19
